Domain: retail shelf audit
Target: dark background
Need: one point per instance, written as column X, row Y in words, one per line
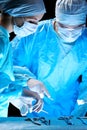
column 50, row 9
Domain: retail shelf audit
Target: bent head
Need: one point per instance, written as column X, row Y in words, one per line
column 71, row 18
column 25, row 13
column 24, row 26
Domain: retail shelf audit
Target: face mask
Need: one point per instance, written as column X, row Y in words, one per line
column 69, row 35
column 25, row 30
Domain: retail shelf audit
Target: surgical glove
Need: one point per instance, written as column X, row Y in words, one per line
column 36, row 104
column 27, row 104
column 38, row 86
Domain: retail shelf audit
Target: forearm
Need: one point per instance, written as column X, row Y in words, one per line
column 81, row 104
column 22, row 75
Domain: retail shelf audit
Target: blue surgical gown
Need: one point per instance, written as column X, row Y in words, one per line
column 6, row 71
column 57, row 68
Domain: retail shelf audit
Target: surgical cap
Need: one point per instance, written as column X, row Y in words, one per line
column 71, row 12
column 20, row 8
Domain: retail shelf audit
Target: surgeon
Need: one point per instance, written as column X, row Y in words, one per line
column 21, row 17
column 56, row 56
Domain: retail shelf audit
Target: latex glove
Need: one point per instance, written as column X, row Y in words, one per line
column 27, row 103
column 33, row 100
column 38, row 86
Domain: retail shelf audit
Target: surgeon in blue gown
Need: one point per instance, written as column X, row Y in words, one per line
column 56, row 55
column 20, row 17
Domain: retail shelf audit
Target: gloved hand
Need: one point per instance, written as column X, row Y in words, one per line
column 35, row 106
column 28, row 102
column 38, row 86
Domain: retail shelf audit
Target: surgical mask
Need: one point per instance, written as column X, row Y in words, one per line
column 25, row 30
column 69, row 35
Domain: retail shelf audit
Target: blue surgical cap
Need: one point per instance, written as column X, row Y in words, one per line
column 72, row 12
column 18, row 8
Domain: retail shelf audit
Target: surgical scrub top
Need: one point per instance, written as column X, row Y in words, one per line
column 57, row 67
column 6, row 72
